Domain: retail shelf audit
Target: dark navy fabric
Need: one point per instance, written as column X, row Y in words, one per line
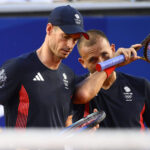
column 123, row 103
column 49, row 95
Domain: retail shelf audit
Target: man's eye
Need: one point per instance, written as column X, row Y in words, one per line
column 93, row 60
column 66, row 37
column 105, row 55
column 75, row 40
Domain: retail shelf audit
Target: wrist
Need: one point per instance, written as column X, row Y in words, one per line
column 109, row 70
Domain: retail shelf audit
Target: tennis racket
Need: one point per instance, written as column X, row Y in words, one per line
column 89, row 121
column 119, row 59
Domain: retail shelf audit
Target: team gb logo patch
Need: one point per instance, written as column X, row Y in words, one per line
column 3, row 78
column 77, row 19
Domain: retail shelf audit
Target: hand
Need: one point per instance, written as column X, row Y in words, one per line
column 129, row 53
column 68, row 121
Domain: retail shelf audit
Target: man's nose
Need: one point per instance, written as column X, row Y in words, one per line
column 100, row 59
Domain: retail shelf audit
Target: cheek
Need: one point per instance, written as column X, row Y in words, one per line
column 61, row 43
column 92, row 67
column 58, row 44
column 52, row 45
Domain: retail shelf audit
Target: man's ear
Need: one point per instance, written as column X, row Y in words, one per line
column 113, row 47
column 49, row 28
column 81, row 61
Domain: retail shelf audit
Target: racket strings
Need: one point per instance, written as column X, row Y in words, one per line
column 147, row 52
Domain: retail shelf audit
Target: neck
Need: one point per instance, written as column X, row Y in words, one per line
column 48, row 58
column 108, row 83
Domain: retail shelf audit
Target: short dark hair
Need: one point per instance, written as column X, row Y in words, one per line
column 94, row 35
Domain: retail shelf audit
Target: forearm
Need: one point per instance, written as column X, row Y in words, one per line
column 88, row 88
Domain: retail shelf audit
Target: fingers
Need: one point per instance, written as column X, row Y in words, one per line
column 129, row 53
column 95, row 110
column 97, row 126
column 94, row 128
column 136, row 46
column 68, row 121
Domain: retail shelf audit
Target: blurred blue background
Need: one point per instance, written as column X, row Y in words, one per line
column 24, row 34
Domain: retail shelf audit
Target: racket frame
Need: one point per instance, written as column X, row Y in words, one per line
column 96, row 116
column 144, row 44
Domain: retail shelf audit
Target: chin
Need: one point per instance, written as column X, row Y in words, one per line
column 92, row 71
column 64, row 57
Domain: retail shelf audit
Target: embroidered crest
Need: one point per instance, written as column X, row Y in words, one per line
column 128, row 95
column 77, row 19
column 3, row 78
column 65, row 80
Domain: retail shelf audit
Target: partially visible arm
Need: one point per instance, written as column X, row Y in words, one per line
column 89, row 87
column 146, row 115
column 9, row 81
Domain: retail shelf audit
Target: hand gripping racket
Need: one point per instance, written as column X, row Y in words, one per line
column 119, row 59
column 89, row 121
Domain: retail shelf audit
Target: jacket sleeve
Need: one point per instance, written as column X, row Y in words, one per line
column 9, row 81
column 146, row 115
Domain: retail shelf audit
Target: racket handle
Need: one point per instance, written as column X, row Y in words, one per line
column 109, row 63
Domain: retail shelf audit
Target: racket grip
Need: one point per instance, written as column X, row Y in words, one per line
column 109, row 63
